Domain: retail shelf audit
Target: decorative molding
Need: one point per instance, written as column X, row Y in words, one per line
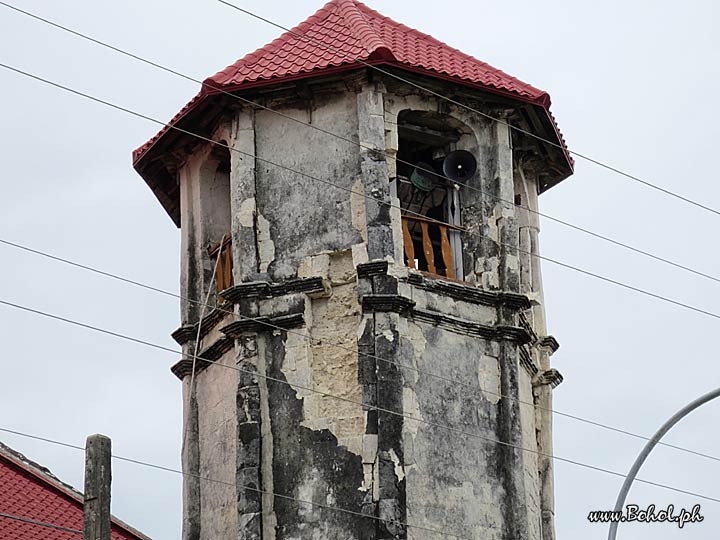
column 550, row 343
column 525, row 323
column 526, row 361
column 396, row 303
column 263, row 324
column 469, row 293
column 249, row 289
column 182, row 369
column 265, row 289
column 311, row 285
column 188, row 332
column 184, row 334
column 373, row 268
column 213, row 353
column 551, row 376
column 471, row 328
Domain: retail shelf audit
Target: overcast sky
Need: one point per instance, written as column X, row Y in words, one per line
column 633, row 84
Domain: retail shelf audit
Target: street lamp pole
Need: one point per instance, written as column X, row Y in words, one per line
column 620, row 503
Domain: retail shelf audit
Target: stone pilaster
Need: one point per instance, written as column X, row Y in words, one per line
column 243, row 198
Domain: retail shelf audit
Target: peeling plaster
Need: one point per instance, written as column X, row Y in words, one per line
column 266, row 247
column 399, row 472
column 357, row 208
column 246, row 215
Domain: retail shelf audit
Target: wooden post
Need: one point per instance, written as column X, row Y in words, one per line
column 96, row 510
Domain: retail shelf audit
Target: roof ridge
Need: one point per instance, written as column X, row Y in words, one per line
column 463, row 56
column 293, row 33
column 371, row 40
column 343, row 35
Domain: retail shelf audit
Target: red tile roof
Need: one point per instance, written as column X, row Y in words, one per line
column 344, row 32
column 339, row 35
column 30, row 491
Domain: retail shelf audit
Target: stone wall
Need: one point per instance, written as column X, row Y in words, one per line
column 352, row 364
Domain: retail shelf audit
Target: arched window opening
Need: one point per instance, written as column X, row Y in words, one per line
column 217, row 217
column 430, row 201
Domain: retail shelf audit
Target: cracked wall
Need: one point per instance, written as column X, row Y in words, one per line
column 298, row 246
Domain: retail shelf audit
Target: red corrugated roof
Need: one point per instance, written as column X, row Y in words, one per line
column 337, row 36
column 29, row 491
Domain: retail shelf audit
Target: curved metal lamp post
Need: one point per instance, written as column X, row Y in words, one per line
column 620, row 503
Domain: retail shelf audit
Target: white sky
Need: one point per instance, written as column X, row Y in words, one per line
column 628, row 82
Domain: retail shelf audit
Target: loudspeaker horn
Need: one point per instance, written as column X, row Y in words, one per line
column 459, row 165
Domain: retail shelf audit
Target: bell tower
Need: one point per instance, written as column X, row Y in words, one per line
column 374, row 361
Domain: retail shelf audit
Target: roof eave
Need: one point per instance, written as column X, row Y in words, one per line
column 144, row 157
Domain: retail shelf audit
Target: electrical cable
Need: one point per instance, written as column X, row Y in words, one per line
column 467, row 107
column 597, row 276
column 366, row 147
column 349, row 349
column 174, row 72
column 377, row 200
column 293, row 385
column 236, row 485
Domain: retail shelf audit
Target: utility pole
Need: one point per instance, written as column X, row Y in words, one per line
column 96, row 509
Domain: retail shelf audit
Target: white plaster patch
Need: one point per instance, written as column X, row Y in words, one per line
column 309, row 513
column 246, row 213
column 315, row 266
column 266, row 247
column 489, row 378
column 357, row 208
column 397, row 270
column 412, row 333
column 411, row 407
column 399, row 472
column 359, row 254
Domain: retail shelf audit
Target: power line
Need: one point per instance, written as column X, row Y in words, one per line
column 347, row 400
column 350, row 190
column 348, row 349
column 159, row 66
column 467, row 107
column 359, row 144
column 541, row 257
column 139, row 115
column 40, row 523
column 236, row 485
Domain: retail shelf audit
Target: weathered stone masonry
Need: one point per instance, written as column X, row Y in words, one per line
column 374, row 361
column 317, row 267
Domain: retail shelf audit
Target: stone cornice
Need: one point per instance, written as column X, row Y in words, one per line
column 262, row 324
column 265, row 289
column 374, row 303
column 550, row 377
column 373, row 268
column 469, row 293
column 471, row 328
column 188, row 332
column 526, row 362
column 550, row 343
column 250, row 289
column 522, row 318
column 386, row 302
column 214, row 352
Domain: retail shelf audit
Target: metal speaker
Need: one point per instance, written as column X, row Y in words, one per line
column 422, row 178
column 459, row 165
